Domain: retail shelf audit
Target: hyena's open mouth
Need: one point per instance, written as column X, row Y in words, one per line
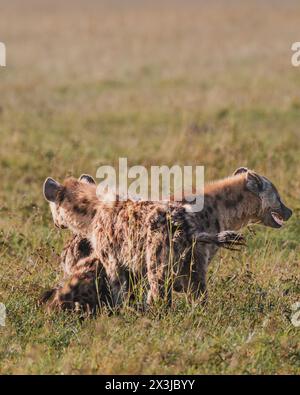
column 277, row 218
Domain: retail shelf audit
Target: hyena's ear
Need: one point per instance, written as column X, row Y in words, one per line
column 254, row 183
column 51, row 188
column 87, row 179
column 240, row 170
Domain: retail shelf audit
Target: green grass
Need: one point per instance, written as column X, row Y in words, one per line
column 78, row 95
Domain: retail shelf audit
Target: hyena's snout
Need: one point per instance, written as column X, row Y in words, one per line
column 281, row 215
column 286, row 212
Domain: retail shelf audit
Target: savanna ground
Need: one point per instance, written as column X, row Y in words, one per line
column 207, row 83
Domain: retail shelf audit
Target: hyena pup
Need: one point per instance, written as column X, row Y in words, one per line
column 85, row 286
column 84, row 291
column 162, row 240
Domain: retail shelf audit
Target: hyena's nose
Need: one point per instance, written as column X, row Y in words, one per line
column 287, row 213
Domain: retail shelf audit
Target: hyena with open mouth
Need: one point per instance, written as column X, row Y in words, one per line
column 169, row 243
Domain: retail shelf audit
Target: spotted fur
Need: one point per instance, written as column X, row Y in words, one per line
column 168, row 243
column 85, row 290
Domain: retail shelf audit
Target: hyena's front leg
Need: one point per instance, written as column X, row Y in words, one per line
column 159, row 268
column 198, row 287
column 192, row 279
column 227, row 239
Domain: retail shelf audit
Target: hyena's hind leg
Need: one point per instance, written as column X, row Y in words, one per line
column 165, row 245
column 85, row 291
column 118, row 285
column 159, row 262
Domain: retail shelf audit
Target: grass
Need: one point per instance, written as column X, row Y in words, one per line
column 183, row 83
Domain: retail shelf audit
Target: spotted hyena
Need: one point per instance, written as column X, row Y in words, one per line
column 85, row 290
column 84, row 287
column 169, row 243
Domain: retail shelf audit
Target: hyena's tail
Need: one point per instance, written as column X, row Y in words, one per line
column 227, row 239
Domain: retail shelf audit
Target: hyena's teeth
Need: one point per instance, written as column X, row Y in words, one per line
column 277, row 218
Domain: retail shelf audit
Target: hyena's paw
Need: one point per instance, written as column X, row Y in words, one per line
column 230, row 240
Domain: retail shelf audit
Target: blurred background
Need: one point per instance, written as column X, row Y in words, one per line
column 185, row 81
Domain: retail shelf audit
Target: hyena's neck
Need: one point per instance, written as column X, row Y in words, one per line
column 82, row 211
column 235, row 206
